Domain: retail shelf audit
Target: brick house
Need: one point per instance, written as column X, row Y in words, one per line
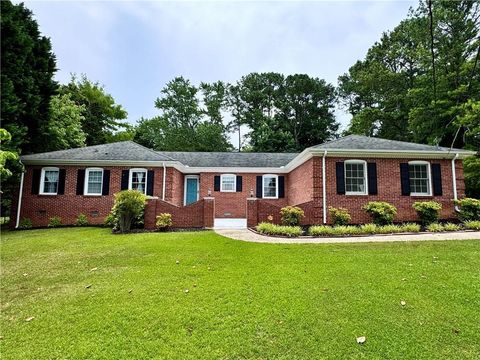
column 240, row 189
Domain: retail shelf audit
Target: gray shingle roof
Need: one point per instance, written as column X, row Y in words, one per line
column 359, row 142
column 230, row 159
column 124, row 150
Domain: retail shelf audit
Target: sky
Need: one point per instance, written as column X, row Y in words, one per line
column 134, row 48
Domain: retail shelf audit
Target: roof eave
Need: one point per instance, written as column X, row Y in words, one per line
column 419, row 154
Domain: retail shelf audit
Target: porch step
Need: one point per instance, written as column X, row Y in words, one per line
column 220, row 223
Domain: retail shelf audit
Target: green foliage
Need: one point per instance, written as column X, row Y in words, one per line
column 163, row 221
column 64, row 126
column 472, row 225
column 25, row 223
column 469, row 209
column 428, row 211
column 411, row 227
column 435, row 227
column 282, row 230
column 55, row 221
column 381, row 212
column 340, row 216
column 368, row 228
column 81, row 220
column 183, row 123
column 451, row 227
column 128, row 207
column 320, row 230
column 5, row 155
column 110, row 221
column 28, row 67
column 102, row 116
column 291, row 215
column 471, row 171
column 389, row 229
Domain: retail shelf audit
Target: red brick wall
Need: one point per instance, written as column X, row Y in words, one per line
column 261, row 210
column 40, row 208
column 300, row 184
column 174, row 187
column 196, row 215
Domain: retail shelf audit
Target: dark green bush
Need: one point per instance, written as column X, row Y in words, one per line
column 428, row 211
column 291, row 215
column 128, row 208
column 381, row 212
column 81, row 220
column 340, row 216
column 25, row 223
column 55, row 221
column 469, row 209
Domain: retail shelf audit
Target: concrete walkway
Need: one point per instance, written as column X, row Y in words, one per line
column 250, row 236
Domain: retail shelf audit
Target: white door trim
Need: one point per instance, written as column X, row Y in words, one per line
column 185, row 187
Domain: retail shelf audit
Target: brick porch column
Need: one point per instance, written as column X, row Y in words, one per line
column 208, row 212
column 150, row 213
column 252, row 212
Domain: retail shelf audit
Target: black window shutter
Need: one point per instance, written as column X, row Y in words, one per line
column 80, row 181
column 239, row 183
column 150, row 182
column 124, row 185
column 216, row 183
column 405, row 179
column 340, row 172
column 61, row 181
column 281, row 186
column 36, row 181
column 106, row 182
column 372, row 178
column 437, row 180
column 259, row 186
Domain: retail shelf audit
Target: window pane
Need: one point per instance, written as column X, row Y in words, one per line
column 228, row 183
column 50, row 184
column 355, row 177
column 269, row 186
column 138, row 180
column 419, row 182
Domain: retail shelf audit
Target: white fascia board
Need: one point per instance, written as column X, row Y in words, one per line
column 99, row 163
column 394, row 153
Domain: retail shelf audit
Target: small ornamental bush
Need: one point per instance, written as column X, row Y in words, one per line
column 163, row 221
column 428, row 211
column 127, row 210
column 340, row 216
column 55, row 221
column 272, row 229
column 451, row 227
column 435, row 227
column 291, row 215
column 381, row 212
column 81, row 220
column 469, row 209
column 410, row 227
column 321, row 230
column 25, row 223
column 472, row 225
column 368, row 228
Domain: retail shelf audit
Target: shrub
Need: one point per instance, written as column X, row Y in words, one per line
column 291, row 215
column 469, row 209
column 164, row 221
column 346, row 230
column 109, row 221
column 321, row 230
column 410, row 227
column 340, row 216
column 81, row 220
column 435, row 227
column 428, row 211
column 368, row 228
column 25, row 223
column 381, row 212
column 272, row 229
column 389, row 229
column 451, row 227
column 127, row 209
column 55, row 221
column 472, row 225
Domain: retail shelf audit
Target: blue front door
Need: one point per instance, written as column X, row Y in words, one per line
column 192, row 191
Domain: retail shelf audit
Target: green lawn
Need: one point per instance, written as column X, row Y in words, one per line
column 244, row 300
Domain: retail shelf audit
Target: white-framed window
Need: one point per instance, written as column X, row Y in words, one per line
column 228, row 183
column 356, row 177
column 93, row 181
column 270, row 186
column 49, row 181
column 420, row 180
column 138, row 180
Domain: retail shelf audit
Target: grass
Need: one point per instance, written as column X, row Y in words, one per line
column 245, row 300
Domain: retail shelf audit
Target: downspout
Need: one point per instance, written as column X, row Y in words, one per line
column 19, row 205
column 454, row 181
column 324, row 188
column 164, row 181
